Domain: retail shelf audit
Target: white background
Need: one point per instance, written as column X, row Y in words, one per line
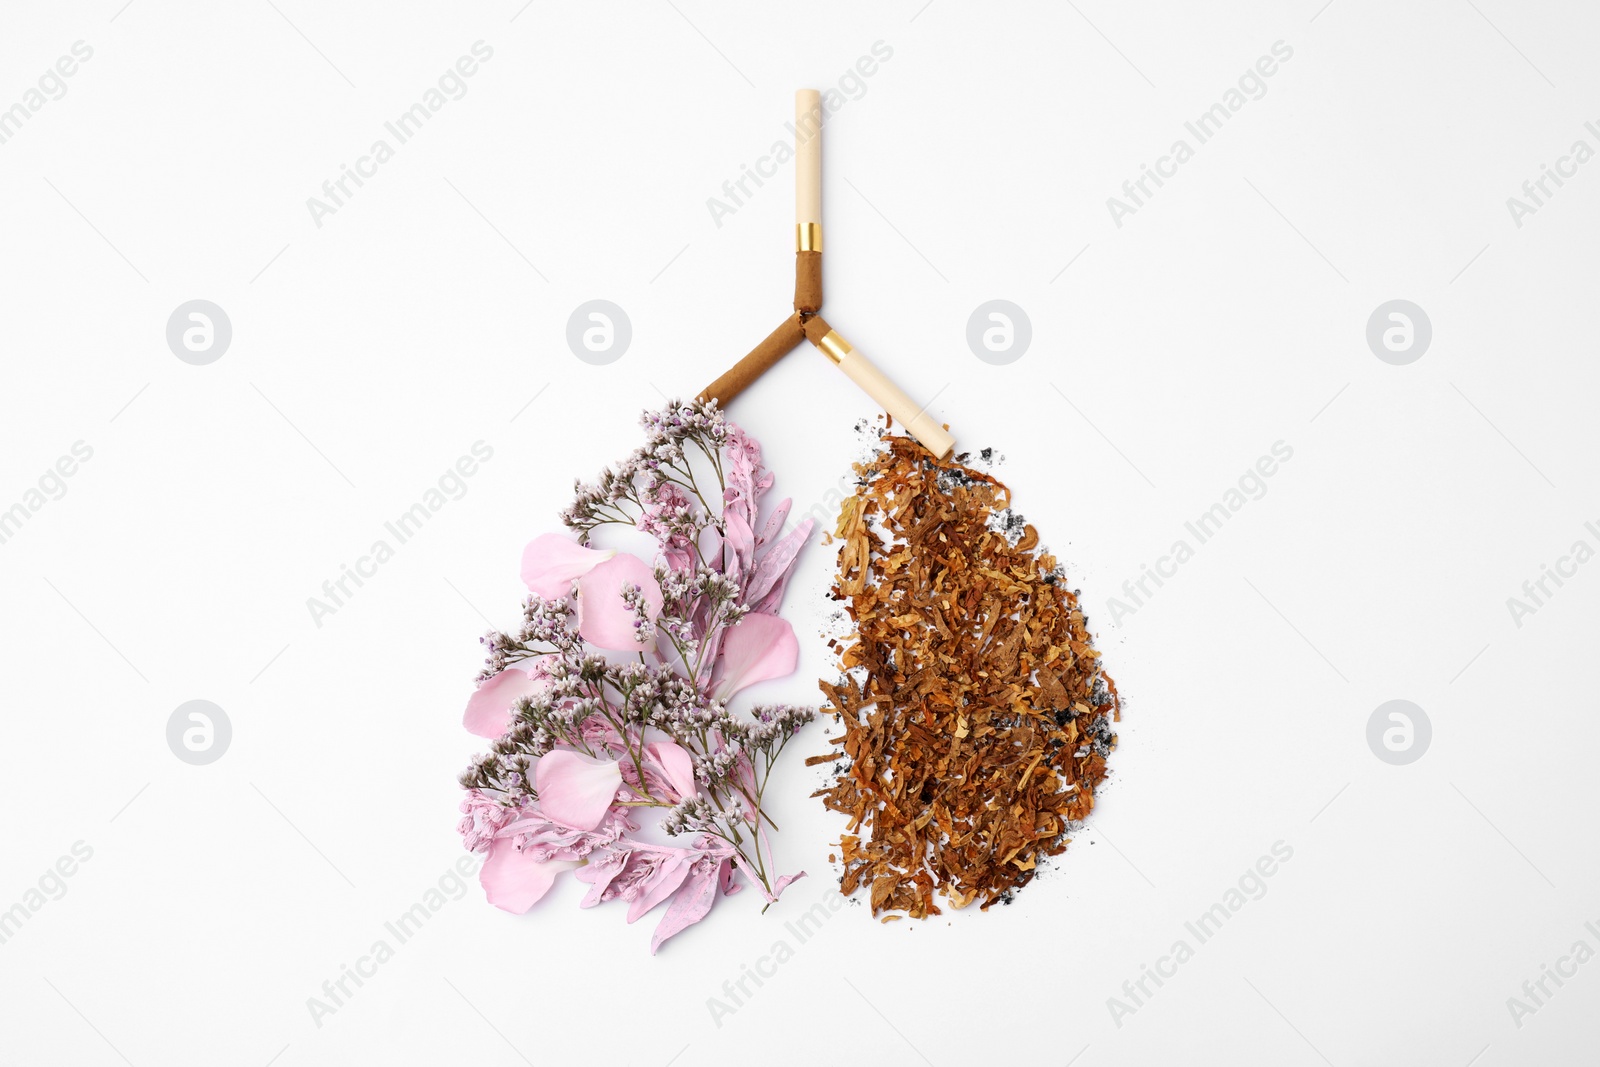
column 1227, row 314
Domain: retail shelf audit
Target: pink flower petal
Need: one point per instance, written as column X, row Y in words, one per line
column 598, row 733
column 759, row 648
column 675, row 764
column 739, row 547
column 747, row 481
column 725, row 878
column 515, row 880
column 769, row 604
column 774, row 523
column 775, row 565
column 603, row 618
column 489, row 711
column 753, row 878
column 599, row 874
column 679, row 558
column 689, row 904
column 784, row 883
column 574, row 789
column 668, row 876
column 551, row 563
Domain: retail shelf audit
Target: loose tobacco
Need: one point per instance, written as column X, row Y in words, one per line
column 976, row 716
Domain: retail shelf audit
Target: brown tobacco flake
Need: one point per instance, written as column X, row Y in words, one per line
column 979, row 729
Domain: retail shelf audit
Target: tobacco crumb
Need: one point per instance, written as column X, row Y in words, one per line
column 975, row 718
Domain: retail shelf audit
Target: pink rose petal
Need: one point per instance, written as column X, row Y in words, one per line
column 603, row 618
column 575, row 790
column 675, row 764
column 489, row 711
column 551, row 563
column 759, row 648
column 514, row 880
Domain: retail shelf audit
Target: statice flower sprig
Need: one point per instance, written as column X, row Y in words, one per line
column 614, row 694
column 622, row 494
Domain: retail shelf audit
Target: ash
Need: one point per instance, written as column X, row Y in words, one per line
column 1008, row 524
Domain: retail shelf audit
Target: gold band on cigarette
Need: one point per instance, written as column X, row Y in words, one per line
column 808, row 237
column 834, row 347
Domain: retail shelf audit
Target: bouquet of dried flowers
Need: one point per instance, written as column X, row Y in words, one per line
column 613, row 696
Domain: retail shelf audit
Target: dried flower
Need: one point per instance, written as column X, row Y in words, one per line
column 612, row 696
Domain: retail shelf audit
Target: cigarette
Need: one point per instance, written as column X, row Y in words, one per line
column 859, row 369
column 808, row 116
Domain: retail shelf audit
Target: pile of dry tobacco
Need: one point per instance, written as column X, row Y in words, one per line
column 976, row 717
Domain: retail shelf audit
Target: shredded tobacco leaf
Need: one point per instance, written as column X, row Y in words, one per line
column 976, row 716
